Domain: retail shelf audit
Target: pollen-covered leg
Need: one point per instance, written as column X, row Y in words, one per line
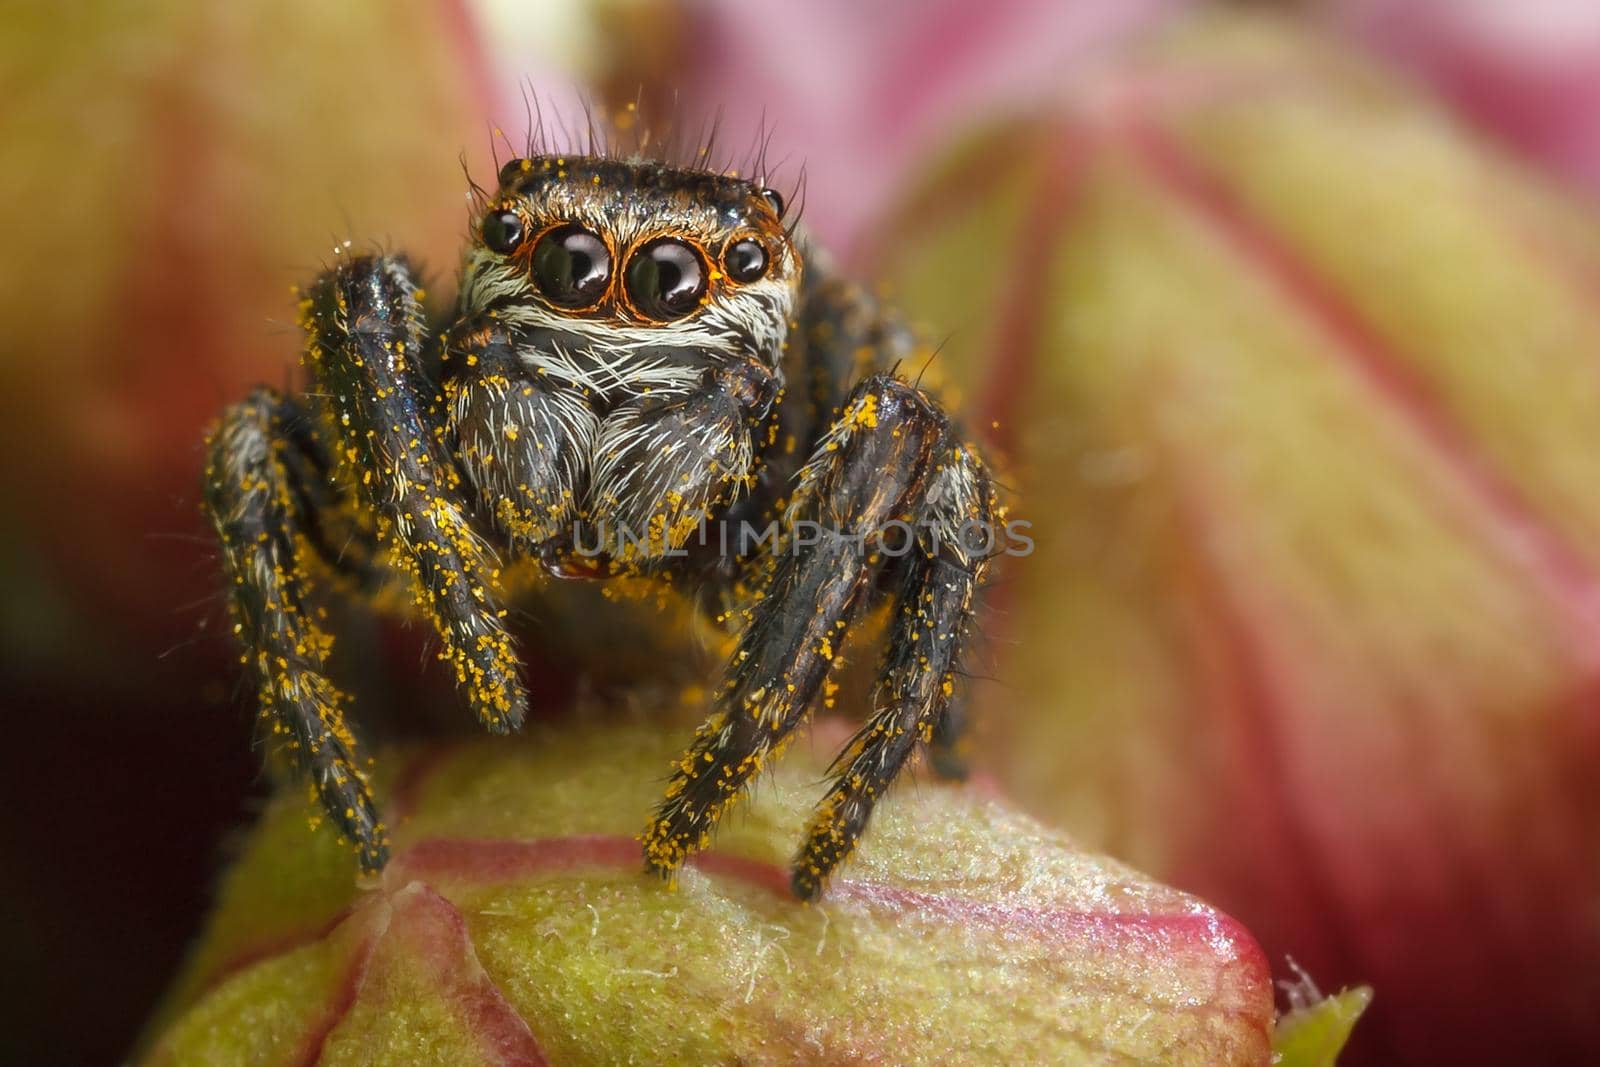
column 861, row 478
column 932, row 613
column 365, row 339
column 787, row 648
column 915, row 699
column 253, row 498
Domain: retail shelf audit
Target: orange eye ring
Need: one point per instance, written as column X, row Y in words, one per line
column 571, row 266
column 666, row 278
column 745, row 258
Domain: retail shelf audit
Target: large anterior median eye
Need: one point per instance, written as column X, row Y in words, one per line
column 666, row 278
column 571, row 266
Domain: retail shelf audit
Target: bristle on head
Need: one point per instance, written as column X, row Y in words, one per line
column 625, row 133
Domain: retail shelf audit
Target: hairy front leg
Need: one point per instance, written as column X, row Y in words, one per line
column 364, row 329
column 915, row 703
column 871, row 468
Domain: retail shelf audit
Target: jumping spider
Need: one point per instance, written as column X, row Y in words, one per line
column 635, row 348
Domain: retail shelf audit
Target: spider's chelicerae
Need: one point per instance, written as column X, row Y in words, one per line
column 636, row 353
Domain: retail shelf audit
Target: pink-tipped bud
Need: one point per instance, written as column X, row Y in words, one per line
column 515, row 925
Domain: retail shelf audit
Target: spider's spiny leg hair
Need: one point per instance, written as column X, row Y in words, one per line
column 252, row 499
column 365, row 340
column 858, row 481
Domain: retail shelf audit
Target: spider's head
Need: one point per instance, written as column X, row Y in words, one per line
column 582, row 251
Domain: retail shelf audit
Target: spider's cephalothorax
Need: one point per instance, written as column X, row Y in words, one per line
column 633, row 356
column 630, row 319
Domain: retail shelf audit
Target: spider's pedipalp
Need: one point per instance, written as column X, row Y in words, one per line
column 524, row 446
column 667, row 460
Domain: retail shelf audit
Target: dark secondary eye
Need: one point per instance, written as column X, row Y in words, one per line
column 666, row 278
column 503, row 231
column 745, row 260
column 571, row 266
column 771, row 196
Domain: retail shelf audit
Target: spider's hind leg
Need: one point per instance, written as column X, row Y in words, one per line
column 261, row 506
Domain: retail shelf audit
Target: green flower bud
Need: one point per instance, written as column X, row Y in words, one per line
column 515, row 924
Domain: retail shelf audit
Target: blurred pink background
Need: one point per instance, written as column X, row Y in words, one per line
column 170, row 175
